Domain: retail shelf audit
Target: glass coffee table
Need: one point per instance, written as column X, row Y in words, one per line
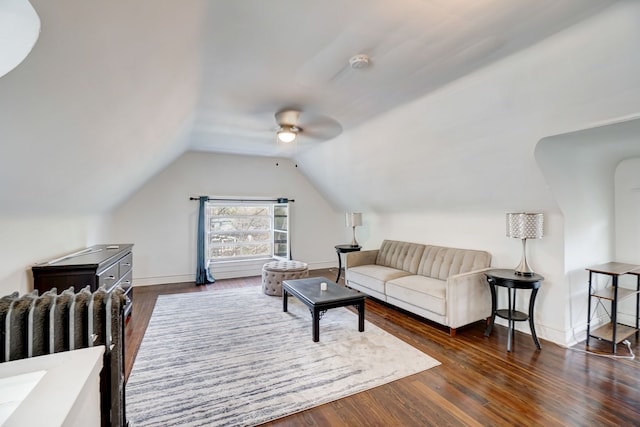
column 311, row 294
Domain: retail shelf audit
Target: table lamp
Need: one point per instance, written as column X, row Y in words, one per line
column 354, row 219
column 524, row 226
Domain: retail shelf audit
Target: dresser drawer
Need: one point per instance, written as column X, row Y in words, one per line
column 126, row 263
column 125, row 281
column 109, row 277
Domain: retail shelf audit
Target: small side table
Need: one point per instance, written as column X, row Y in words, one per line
column 343, row 249
column 512, row 281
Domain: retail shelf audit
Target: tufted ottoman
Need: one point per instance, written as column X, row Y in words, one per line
column 273, row 273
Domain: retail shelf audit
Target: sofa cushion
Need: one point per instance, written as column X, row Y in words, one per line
column 401, row 255
column 425, row 292
column 441, row 262
column 373, row 276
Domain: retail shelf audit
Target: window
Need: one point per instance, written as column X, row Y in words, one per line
column 246, row 231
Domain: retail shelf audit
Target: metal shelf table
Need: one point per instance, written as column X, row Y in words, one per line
column 613, row 332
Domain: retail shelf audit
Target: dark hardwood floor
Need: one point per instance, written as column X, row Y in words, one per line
column 478, row 382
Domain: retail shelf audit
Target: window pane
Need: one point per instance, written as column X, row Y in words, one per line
column 244, row 232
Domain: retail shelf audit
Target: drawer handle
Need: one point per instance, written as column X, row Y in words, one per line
column 128, row 282
column 112, row 277
column 126, row 264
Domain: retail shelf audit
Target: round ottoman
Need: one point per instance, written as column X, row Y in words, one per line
column 273, row 273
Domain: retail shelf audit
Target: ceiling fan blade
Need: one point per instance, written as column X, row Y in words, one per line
column 319, row 127
column 320, row 135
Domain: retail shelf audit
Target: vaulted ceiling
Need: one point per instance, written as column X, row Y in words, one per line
column 114, row 91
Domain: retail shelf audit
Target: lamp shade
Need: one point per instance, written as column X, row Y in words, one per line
column 525, row 225
column 354, row 219
column 19, row 31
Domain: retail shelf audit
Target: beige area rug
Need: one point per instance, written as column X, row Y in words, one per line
column 233, row 357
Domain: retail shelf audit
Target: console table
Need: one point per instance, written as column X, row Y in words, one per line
column 343, row 249
column 512, row 281
column 613, row 332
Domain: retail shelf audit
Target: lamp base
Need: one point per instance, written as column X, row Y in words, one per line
column 523, row 269
column 354, row 242
column 524, row 273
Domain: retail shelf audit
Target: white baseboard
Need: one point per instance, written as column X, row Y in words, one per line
column 161, row 280
column 228, row 272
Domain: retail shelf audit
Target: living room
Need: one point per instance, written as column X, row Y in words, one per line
column 104, row 140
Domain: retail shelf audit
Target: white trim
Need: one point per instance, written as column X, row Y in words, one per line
column 231, row 274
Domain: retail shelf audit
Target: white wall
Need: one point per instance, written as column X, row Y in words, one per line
column 161, row 221
column 627, row 210
column 460, row 158
column 29, row 239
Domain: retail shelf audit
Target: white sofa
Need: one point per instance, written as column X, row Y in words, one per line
column 446, row 285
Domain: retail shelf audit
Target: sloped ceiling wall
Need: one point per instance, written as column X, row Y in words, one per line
column 470, row 145
column 105, row 90
column 118, row 84
column 109, row 86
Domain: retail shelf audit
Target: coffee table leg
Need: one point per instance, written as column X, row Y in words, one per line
column 285, row 299
column 361, row 317
column 316, row 324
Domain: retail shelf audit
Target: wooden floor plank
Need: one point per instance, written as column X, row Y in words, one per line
column 477, row 383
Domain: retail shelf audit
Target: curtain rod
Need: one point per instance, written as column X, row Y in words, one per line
column 278, row 200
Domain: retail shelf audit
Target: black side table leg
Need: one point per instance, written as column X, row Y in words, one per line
column 510, row 332
column 532, row 301
column 361, row 317
column 494, row 304
column 285, row 299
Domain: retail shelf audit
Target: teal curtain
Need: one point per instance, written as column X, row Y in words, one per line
column 203, row 275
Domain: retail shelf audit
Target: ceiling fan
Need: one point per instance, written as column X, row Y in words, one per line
column 295, row 125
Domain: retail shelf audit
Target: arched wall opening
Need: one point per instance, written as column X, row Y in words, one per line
column 594, row 175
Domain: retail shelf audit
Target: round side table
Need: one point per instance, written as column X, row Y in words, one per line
column 343, row 249
column 512, row 281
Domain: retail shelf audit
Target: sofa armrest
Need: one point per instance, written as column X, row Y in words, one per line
column 354, row 259
column 468, row 298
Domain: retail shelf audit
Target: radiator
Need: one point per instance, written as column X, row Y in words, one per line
column 34, row 325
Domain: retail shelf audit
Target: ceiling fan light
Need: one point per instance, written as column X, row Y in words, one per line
column 287, row 133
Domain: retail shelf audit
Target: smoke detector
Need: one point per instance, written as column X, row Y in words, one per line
column 359, row 62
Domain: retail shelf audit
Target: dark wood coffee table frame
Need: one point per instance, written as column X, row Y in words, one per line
column 309, row 293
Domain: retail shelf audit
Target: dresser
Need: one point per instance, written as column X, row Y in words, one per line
column 99, row 265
